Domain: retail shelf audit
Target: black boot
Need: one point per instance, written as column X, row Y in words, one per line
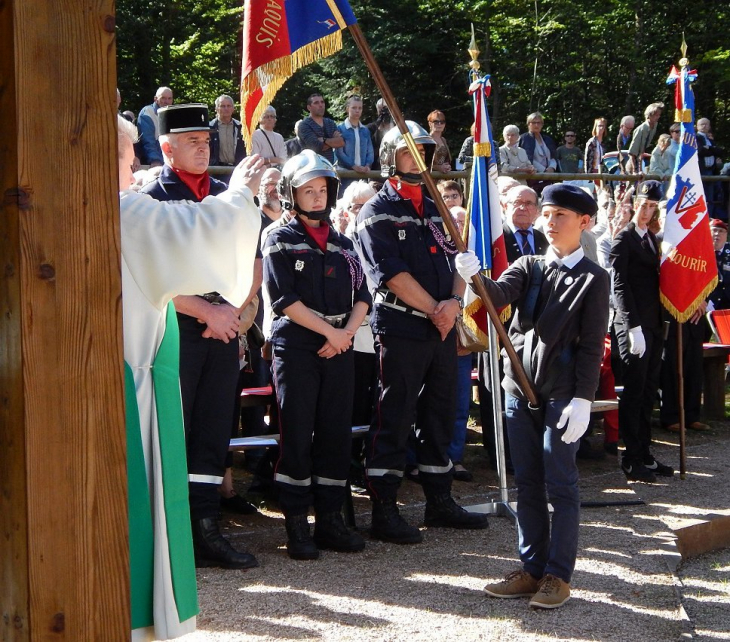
column 330, row 533
column 212, row 549
column 442, row 510
column 389, row 526
column 300, row 545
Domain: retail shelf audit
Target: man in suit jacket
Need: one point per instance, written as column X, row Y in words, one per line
column 638, row 329
column 520, row 237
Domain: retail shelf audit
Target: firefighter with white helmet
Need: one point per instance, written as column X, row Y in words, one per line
column 319, row 298
column 409, row 260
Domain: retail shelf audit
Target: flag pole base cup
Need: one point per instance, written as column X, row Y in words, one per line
column 499, row 509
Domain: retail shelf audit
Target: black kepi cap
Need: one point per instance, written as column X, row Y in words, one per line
column 650, row 190
column 569, row 197
column 177, row 119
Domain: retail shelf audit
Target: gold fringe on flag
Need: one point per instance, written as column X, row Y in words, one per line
column 682, row 317
column 483, row 149
column 278, row 71
column 682, row 115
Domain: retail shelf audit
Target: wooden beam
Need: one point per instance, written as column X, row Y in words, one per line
column 13, row 504
column 63, row 516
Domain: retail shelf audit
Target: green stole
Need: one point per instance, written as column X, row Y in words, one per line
column 166, row 381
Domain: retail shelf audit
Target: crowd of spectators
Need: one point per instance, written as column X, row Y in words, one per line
column 399, row 320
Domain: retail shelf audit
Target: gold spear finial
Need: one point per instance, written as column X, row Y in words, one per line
column 474, row 53
column 683, row 61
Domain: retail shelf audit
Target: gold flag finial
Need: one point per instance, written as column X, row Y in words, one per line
column 683, row 62
column 474, row 53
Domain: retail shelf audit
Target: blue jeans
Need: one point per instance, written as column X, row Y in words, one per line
column 463, row 397
column 543, row 463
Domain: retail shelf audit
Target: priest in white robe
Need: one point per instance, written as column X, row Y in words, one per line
column 170, row 249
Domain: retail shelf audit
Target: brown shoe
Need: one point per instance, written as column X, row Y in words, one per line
column 672, row 427
column 516, row 584
column 552, row 593
column 699, row 426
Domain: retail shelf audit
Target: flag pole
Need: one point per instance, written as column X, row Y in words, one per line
column 477, row 283
column 502, row 507
column 680, row 401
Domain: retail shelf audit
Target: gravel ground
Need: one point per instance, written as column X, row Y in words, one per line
column 624, row 587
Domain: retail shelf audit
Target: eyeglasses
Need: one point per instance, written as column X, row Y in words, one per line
column 270, row 116
column 438, row 122
column 355, row 207
column 450, row 197
column 570, row 135
column 524, row 204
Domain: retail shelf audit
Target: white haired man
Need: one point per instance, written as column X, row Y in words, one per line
column 209, row 325
column 157, row 242
column 226, row 144
column 148, row 126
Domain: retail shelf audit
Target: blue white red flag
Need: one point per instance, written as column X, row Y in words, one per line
column 688, row 270
column 280, row 37
column 485, row 234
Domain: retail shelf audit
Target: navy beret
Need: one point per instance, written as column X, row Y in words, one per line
column 569, row 197
column 176, row 119
column 650, row 190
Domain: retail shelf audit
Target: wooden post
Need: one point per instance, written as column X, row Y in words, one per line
column 63, row 514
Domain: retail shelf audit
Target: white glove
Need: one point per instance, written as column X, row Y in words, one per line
column 576, row 414
column 467, row 265
column 637, row 343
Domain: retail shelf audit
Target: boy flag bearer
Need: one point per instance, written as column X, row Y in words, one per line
column 558, row 330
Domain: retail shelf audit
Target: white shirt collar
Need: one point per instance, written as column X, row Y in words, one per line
column 569, row 261
column 641, row 232
column 349, row 125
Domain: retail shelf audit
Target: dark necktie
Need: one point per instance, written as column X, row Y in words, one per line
column 647, row 244
column 524, row 242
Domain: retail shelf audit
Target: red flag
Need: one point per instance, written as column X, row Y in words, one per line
column 280, row 37
column 688, row 270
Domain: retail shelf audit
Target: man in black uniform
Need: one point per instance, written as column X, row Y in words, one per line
column 638, row 329
column 408, row 258
column 208, row 340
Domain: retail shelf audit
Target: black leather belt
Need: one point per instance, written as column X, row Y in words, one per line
column 390, row 300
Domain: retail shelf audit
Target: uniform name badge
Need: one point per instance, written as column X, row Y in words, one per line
column 299, row 266
column 401, row 235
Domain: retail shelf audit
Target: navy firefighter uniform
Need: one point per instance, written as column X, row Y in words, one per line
column 400, row 235
column 208, row 366
column 313, row 274
column 314, row 394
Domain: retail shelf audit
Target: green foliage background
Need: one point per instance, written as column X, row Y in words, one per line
column 574, row 60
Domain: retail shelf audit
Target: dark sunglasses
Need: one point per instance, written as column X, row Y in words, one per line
column 438, row 122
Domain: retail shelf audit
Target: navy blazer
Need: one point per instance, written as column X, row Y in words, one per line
column 512, row 244
column 636, row 280
column 527, row 142
column 169, row 187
